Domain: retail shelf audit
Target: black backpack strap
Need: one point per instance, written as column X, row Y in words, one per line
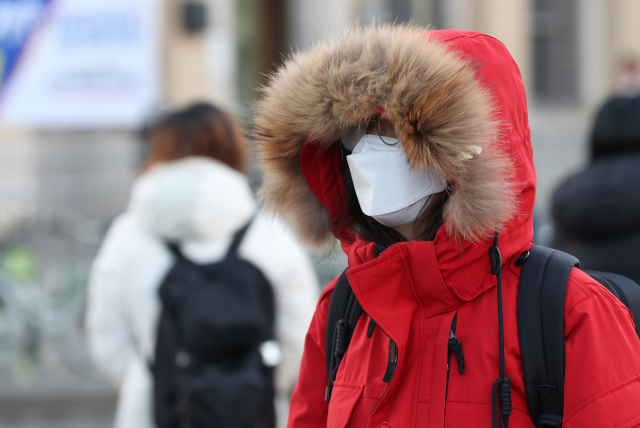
column 337, row 309
column 541, row 296
column 624, row 289
column 344, row 313
column 237, row 239
column 174, row 248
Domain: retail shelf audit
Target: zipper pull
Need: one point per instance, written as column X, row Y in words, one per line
column 393, row 361
column 455, row 346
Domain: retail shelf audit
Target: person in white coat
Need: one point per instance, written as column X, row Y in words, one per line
column 193, row 192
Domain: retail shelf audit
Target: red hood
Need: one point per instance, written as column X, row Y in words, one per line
column 459, row 108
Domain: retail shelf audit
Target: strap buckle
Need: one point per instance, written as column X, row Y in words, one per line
column 547, row 420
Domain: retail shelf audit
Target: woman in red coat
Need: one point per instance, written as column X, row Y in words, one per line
column 418, row 144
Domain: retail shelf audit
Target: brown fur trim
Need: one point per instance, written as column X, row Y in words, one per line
column 442, row 115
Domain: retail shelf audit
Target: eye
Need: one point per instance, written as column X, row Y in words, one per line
column 371, row 126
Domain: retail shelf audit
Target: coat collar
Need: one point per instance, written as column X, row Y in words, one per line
column 438, row 276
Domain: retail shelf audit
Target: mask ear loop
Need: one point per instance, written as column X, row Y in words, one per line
column 380, row 136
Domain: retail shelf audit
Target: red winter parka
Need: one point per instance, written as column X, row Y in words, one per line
column 446, row 91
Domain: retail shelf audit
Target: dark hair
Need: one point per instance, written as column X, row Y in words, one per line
column 370, row 230
column 198, row 130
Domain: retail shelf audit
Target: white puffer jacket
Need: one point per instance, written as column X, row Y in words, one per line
column 201, row 203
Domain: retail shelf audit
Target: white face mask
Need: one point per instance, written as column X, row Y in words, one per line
column 388, row 189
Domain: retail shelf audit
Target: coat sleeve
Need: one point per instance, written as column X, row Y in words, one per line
column 308, row 408
column 108, row 334
column 602, row 375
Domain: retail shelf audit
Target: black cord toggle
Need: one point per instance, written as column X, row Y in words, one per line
column 522, row 258
column 502, row 392
column 505, row 396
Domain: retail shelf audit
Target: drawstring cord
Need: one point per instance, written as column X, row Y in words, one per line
column 502, row 386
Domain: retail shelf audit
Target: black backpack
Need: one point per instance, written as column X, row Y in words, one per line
column 208, row 369
column 541, row 295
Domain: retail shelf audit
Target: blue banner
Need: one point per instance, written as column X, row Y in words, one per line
column 79, row 63
column 18, row 19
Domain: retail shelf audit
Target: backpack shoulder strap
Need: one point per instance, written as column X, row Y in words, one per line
column 624, row 289
column 541, row 296
column 344, row 313
column 174, row 248
column 337, row 308
column 237, row 239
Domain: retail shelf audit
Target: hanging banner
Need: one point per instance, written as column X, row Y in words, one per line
column 17, row 20
column 79, row 63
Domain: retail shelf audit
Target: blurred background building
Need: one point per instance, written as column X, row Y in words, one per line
column 80, row 78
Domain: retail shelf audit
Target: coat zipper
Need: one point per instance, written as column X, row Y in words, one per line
column 391, row 368
column 393, row 362
column 453, row 345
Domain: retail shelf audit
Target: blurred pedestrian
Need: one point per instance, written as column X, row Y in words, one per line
column 596, row 212
column 629, row 79
column 413, row 148
column 192, row 218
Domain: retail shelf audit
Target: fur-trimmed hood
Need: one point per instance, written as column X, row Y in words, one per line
column 448, row 92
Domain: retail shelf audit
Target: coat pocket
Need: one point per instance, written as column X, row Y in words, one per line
column 344, row 398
